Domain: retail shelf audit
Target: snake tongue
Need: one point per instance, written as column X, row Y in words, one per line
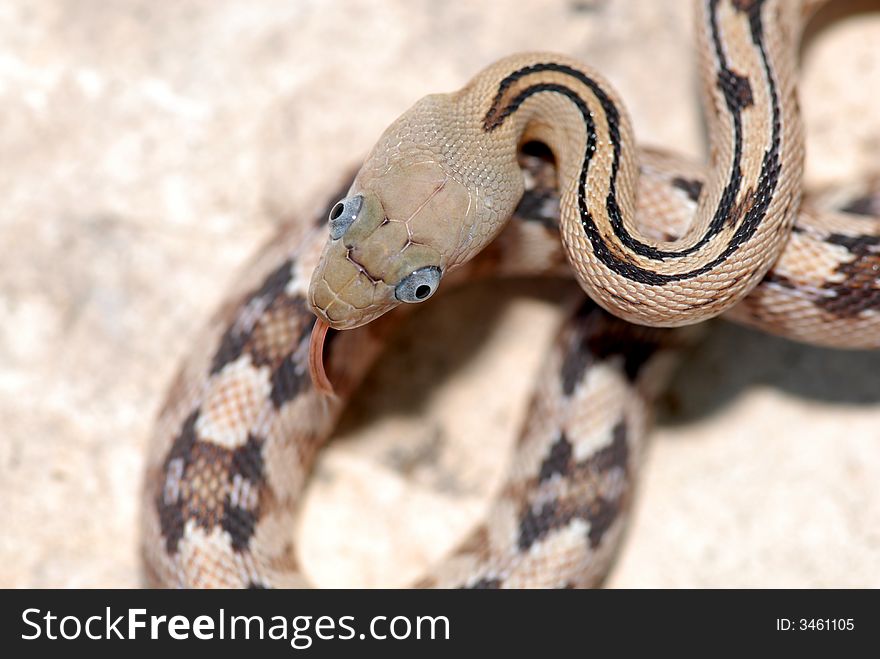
column 320, row 380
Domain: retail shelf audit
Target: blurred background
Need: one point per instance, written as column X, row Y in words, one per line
column 147, row 149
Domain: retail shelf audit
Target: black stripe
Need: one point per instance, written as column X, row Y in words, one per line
column 735, row 100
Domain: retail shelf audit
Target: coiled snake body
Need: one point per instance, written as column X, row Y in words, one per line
column 447, row 193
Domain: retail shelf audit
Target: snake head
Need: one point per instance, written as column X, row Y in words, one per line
column 423, row 203
column 391, row 239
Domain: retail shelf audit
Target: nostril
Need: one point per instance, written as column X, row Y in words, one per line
column 344, row 214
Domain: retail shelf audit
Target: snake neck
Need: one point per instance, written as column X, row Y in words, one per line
column 574, row 112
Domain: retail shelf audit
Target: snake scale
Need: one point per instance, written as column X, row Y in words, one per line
column 529, row 170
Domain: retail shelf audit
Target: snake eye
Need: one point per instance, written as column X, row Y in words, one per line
column 343, row 214
column 418, row 286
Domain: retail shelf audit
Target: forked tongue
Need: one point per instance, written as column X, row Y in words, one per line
column 316, row 358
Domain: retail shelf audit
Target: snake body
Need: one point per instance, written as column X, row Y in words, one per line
column 447, row 193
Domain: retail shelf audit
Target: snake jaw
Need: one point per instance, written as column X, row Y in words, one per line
column 319, row 377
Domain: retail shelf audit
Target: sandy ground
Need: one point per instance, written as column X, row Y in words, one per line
column 149, row 148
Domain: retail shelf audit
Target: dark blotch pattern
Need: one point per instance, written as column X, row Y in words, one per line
column 598, row 341
column 869, row 206
column 601, row 516
column 247, row 460
column 535, row 524
column 287, row 381
column 615, row 455
column 691, row 187
column 171, row 518
column 736, row 89
column 635, row 353
column 171, row 522
column 858, row 245
column 745, row 6
column 579, row 503
column 780, row 280
column 239, row 523
column 234, row 340
column 602, row 512
column 231, row 346
column 859, row 290
column 558, row 461
column 574, row 365
column 206, row 473
column 534, row 205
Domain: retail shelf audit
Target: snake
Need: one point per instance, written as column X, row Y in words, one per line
column 530, row 170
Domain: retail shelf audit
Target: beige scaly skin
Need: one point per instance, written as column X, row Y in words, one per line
column 240, row 427
column 443, row 180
